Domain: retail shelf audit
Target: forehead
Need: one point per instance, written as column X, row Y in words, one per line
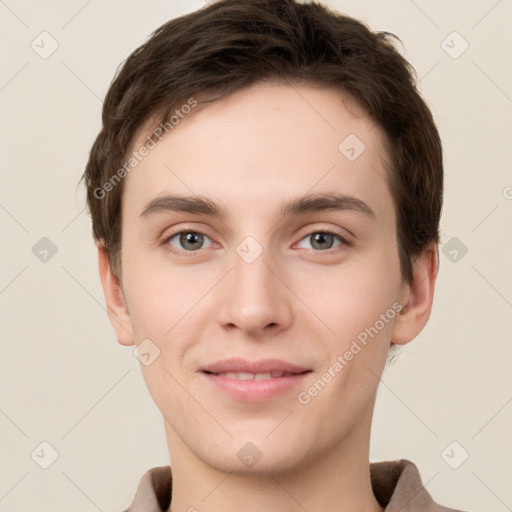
column 263, row 143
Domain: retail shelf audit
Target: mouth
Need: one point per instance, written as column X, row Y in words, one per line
column 276, row 374
column 254, row 381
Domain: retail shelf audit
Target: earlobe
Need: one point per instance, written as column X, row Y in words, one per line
column 114, row 299
column 417, row 297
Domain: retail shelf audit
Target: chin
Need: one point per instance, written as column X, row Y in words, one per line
column 253, row 454
column 270, row 462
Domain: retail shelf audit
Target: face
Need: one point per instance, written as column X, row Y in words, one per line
column 267, row 319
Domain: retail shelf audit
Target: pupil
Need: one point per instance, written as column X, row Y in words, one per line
column 320, row 238
column 190, row 238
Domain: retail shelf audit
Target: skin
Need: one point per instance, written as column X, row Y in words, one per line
column 298, row 301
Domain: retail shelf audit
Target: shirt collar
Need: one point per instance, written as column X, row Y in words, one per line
column 396, row 484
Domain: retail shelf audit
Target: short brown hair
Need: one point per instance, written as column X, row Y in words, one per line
column 231, row 44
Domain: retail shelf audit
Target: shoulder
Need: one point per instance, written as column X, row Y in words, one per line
column 397, row 485
column 153, row 492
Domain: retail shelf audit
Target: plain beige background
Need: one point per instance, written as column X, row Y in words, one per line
column 64, row 379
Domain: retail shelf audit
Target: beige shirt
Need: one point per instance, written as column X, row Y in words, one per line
column 396, row 484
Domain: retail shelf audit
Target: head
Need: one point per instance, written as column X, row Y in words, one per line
column 239, row 111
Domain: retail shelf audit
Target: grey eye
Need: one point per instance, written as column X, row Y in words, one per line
column 188, row 240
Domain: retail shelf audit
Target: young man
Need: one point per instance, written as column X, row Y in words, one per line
column 265, row 195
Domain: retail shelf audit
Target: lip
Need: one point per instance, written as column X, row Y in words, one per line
column 254, row 390
column 260, row 366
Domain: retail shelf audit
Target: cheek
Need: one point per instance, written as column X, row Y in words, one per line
column 161, row 308
column 353, row 297
column 164, row 308
column 359, row 306
column 160, row 298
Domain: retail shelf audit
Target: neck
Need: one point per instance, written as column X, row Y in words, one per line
column 335, row 481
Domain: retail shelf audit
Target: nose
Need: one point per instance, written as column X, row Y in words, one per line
column 255, row 298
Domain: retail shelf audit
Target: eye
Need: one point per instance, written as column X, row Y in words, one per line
column 189, row 241
column 323, row 240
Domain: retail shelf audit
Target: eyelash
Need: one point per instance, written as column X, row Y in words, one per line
column 181, row 252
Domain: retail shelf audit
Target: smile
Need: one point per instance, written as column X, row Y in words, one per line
column 253, row 376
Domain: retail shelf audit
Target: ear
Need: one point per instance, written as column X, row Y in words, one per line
column 117, row 311
column 416, row 297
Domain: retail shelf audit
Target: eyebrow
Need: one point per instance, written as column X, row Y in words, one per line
column 299, row 206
